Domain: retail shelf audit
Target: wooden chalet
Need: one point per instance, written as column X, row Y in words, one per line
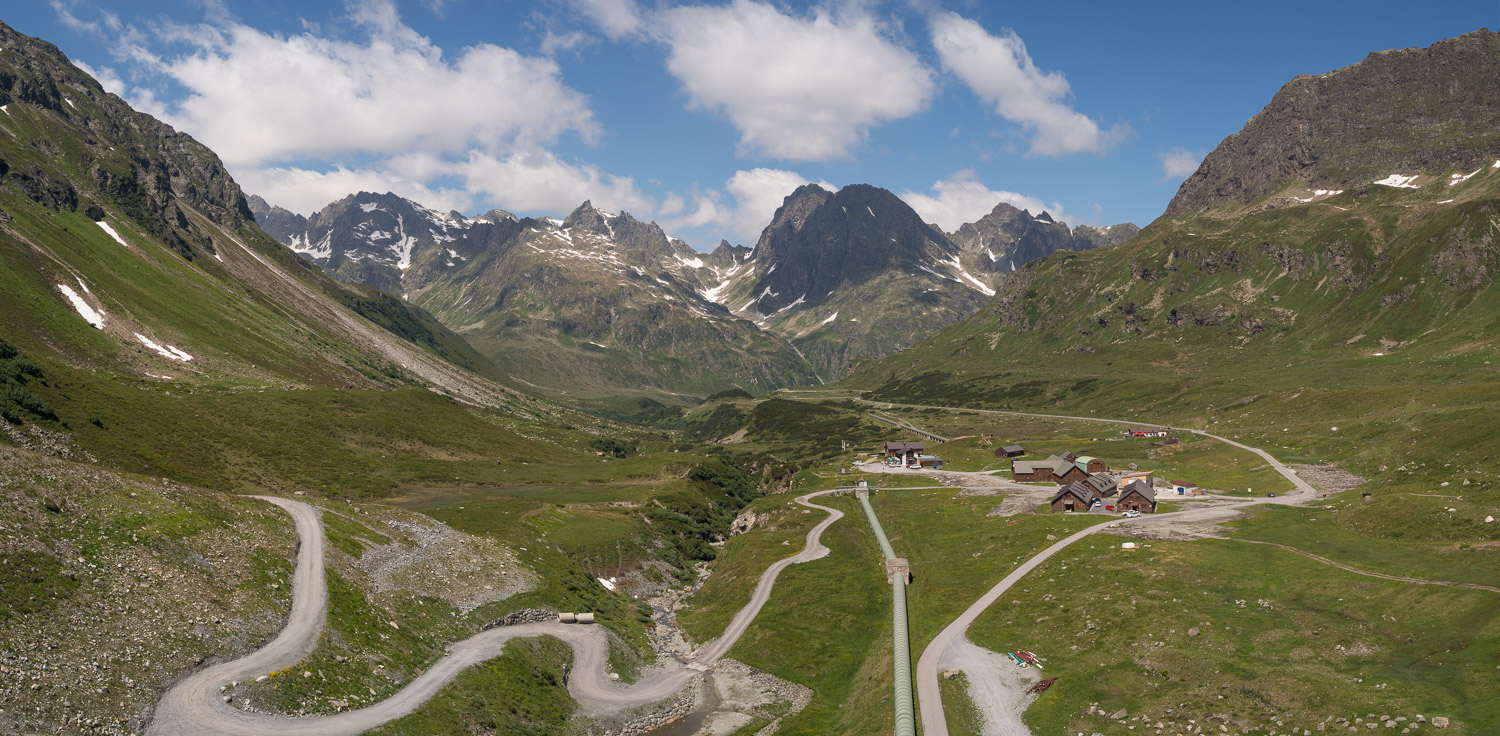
column 904, row 451
column 1010, row 451
column 1055, row 469
column 1075, row 496
column 1138, row 496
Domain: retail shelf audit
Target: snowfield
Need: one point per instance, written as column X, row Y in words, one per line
column 105, row 226
column 93, row 317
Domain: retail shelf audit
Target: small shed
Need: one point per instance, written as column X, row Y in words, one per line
column 930, row 461
column 1010, row 451
column 1076, row 496
column 1184, row 488
column 1138, row 496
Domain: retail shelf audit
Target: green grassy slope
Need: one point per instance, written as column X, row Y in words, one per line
column 1373, row 312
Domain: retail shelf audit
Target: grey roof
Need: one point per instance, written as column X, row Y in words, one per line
column 1057, row 465
column 918, row 446
column 1142, row 487
column 1078, row 489
column 1103, row 483
column 1014, row 448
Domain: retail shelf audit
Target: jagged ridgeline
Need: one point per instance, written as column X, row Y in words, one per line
column 595, row 306
column 602, row 305
column 1342, row 246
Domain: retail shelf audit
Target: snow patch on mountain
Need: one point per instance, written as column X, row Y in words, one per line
column 965, row 277
column 105, row 226
column 1461, row 178
column 166, row 351
column 799, row 300
column 89, row 314
column 1400, row 182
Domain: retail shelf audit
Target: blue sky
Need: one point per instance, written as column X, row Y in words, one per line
column 703, row 116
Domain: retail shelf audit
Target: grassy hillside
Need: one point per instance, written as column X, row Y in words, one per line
column 1362, row 328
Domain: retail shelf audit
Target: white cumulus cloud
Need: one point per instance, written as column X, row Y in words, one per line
column 798, row 88
column 1000, row 72
column 962, row 198
column 615, row 18
column 255, row 97
column 1178, row 163
column 306, row 119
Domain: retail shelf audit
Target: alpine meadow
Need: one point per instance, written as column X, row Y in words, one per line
column 607, row 368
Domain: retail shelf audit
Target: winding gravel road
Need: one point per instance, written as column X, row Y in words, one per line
column 194, row 706
column 951, row 641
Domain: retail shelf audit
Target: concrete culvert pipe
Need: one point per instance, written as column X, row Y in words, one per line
column 585, row 618
column 567, row 618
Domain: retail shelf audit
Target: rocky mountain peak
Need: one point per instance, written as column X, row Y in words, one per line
column 588, row 218
column 1007, row 238
column 795, row 209
column 1411, row 111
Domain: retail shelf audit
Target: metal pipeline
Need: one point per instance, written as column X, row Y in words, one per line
column 885, row 544
column 906, row 714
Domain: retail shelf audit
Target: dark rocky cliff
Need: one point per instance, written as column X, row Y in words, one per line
column 1409, row 111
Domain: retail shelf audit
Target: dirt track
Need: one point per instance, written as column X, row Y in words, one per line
column 946, row 649
column 193, row 706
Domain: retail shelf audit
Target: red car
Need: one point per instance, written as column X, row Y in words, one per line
column 1109, row 508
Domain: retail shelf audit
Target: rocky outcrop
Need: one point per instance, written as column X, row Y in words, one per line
column 1008, row 238
column 1418, row 110
column 131, row 163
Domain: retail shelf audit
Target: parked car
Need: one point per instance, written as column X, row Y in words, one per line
column 914, row 466
column 1109, row 508
column 1097, row 502
column 1270, row 495
column 1131, row 514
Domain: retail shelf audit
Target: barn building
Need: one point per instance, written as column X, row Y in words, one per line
column 1010, row 451
column 1138, row 496
column 1090, row 464
column 1055, row 469
column 1075, row 496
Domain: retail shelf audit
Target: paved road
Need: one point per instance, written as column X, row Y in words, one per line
column 194, row 705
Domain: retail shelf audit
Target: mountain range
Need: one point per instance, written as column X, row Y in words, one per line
column 600, row 304
column 1328, row 260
